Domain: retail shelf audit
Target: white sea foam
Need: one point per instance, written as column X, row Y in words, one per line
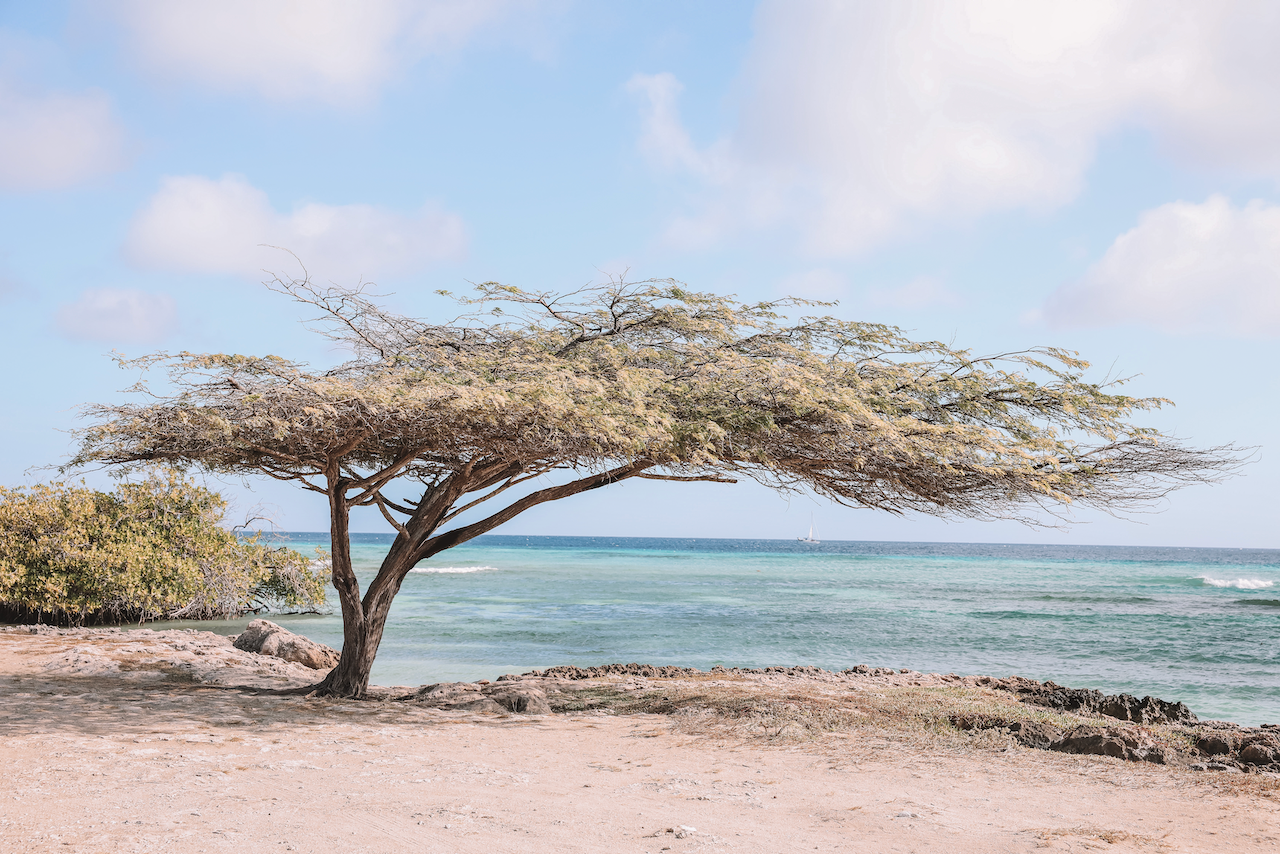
column 443, row 570
column 1238, row 583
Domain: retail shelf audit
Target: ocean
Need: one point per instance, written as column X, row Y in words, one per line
column 1197, row 625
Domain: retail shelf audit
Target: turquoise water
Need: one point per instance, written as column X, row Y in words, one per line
column 1197, row 625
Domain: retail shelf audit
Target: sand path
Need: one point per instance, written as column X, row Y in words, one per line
column 145, row 760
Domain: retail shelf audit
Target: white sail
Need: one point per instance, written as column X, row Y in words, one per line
column 810, row 538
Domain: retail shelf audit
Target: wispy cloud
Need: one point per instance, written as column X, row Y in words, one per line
column 197, row 224
column 1186, row 267
column 114, row 316
column 326, row 50
column 52, row 140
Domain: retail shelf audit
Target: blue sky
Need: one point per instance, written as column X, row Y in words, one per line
column 1100, row 176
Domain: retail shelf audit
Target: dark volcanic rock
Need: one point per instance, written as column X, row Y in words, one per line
column 1051, row 696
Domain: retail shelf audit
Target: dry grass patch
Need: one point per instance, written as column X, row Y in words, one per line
column 937, row 717
column 1111, row 837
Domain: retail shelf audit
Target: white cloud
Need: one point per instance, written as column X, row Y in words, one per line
column 1186, row 267
column 118, row 317
column 57, row 139
column 663, row 139
column 197, row 224
column 329, row 50
column 858, row 119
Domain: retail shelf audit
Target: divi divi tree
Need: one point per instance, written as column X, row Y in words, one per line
column 536, row 397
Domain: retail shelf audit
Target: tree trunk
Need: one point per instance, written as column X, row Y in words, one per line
column 351, row 677
column 363, row 621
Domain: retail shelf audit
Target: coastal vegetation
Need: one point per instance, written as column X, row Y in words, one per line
column 452, row 429
column 151, row 549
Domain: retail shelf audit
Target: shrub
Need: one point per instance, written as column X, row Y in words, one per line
column 149, row 550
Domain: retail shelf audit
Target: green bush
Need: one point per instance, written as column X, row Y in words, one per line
column 150, row 550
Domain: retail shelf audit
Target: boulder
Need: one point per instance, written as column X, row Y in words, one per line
column 1148, row 710
column 1092, row 741
column 1085, row 701
column 477, row 697
column 457, row 697
column 1257, row 754
column 1036, row 734
column 1156, row 755
column 522, row 700
column 1261, row 749
column 1215, row 745
column 266, row 638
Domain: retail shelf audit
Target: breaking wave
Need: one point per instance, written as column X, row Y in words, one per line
column 1238, row 583
column 449, row 570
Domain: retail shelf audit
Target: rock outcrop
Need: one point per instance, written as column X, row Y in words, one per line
column 1036, row 734
column 507, row 696
column 1087, row 701
column 266, row 638
column 1129, row 743
column 569, row 671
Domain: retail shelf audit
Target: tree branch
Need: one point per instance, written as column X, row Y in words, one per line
column 708, row 478
column 449, row 539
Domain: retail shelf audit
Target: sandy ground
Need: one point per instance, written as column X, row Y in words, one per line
column 121, row 745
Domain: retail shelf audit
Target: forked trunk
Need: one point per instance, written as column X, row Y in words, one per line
column 360, row 638
column 363, row 621
column 359, row 647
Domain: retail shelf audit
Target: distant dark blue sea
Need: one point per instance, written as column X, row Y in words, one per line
column 1197, row 625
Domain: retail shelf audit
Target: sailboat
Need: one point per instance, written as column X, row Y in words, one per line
column 809, row 539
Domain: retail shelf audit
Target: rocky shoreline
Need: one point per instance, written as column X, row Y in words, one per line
column 772, row 702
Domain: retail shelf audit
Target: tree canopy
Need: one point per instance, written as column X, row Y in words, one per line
column 542, row 396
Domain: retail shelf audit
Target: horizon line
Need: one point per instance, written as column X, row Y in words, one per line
column 792, row 540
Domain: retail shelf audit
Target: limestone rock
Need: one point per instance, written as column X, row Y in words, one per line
column 1084, row 701
column 1121, row 742
column 1259, row 752
column 266, row 638
column 1148, row 710
column 1036, row 734
column 476, row 697
column 1215, row 744
column 569, row 671
column 523, row 700
column 1092, row 741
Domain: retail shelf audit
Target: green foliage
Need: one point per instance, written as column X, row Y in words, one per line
column 149, row 550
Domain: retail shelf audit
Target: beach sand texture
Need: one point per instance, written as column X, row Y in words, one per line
column 140, row 741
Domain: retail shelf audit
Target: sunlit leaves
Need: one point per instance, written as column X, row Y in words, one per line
column 150, row 549
column 685, row 382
